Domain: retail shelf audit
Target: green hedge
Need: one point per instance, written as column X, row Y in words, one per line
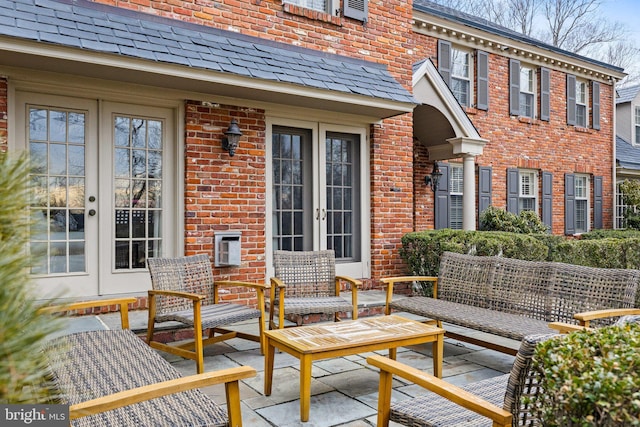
column 422, row 250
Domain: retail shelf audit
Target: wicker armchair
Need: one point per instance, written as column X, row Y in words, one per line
column 305, row 282
column 493, row 402
column 498, row 401
column 184, row 291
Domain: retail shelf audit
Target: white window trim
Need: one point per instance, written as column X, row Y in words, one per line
column 332, row 5
column 460, row 193
column 586, row 197
column 532, row 71
column 469, row 78
column 636, row 125
column 534, row 190
column 579, row 83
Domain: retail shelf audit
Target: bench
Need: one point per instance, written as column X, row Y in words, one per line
column 113, row 378
column 513, row 298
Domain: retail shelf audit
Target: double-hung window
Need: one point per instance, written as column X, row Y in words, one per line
column 325, row 6
column 527, row 91
column 527, row 191
column 582, row 102
column 637, row 125
column 461, row 76
column 582, row 203
column 455, row 194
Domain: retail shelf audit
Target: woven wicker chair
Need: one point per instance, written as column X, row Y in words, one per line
column 184, row 291
column 498, row 401
column 493, row 402
column 112, row 378
column 305, row 282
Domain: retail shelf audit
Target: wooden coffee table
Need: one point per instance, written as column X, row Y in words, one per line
column 328, row 340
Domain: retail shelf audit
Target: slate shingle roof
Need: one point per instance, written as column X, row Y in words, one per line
column 627, row 94
column 627, row 156
column 99, row 28
column 432, row 8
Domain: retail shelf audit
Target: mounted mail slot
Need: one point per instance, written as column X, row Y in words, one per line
column 227, row 248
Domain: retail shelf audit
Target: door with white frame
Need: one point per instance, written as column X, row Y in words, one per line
column 102, row 192
column 319, row 178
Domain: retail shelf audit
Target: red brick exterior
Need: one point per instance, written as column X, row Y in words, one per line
column 516, row 142
column 228, row 193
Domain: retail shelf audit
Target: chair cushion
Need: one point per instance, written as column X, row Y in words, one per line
column 214, row 315
column 506, row 325
column 89, row 365
column 432, row 410
column 315, row 305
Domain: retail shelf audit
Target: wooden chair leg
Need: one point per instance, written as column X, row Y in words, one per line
column 197, row 332
column 151, row 319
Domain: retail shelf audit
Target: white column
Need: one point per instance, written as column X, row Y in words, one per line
column 469, row 195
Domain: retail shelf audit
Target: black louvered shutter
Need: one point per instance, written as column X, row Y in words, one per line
column 595, row 104
column 545, row 94
column 442, row 199
column 444, row 61
column 547, row 199
column 512, row 190
column 482, row 67
column 571, row 99
column 514, row 87
column 597, row 202
column 569, row 204
column 484, row 188
column 356, row 9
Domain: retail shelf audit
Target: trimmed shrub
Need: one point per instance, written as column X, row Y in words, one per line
column 589, row 378
column 527, row 222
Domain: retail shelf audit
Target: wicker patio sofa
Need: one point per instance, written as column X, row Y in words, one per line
column 113, row 378
column 513, row 298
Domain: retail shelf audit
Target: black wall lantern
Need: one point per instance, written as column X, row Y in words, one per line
column 433, row 179
column 231, row 138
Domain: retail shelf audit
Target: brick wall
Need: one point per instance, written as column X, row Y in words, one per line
column 551, row 146
column 224, row 193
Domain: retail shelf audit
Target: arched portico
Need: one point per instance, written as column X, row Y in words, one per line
column 442, row 125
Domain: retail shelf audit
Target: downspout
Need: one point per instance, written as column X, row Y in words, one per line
column 614, row 172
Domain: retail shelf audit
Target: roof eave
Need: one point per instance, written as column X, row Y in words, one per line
column 68, row 60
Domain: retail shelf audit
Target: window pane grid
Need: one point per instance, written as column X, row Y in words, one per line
column 288, row 172
column 460, row 76
column 57, row 171
column 321, row 5
column 527, row 91
column 581, row 103
column 339, row 170
column 137, row 187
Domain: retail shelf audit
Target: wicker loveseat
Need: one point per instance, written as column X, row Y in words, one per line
column 113, row 378
column 513, row 298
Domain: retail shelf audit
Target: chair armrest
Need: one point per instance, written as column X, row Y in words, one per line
column 388, row 283
column 277, row 283
column 587, row 316
column 565, row 328
column 123, row 304
column 140, row 394
column 450, row 392
column 355, row 284
column 177, row 294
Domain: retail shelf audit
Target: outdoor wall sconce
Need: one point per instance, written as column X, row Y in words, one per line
column 433, row 179
column 231, row 138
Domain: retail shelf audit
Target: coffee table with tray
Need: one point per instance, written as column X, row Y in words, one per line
column 329, row 340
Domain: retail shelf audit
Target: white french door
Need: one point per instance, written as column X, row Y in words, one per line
column 319, row 200
column 101, row 189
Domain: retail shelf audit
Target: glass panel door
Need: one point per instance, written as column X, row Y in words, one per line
column 57, row 154
column 137, row 184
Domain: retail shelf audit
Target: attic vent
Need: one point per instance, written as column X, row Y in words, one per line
column 356, row 9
